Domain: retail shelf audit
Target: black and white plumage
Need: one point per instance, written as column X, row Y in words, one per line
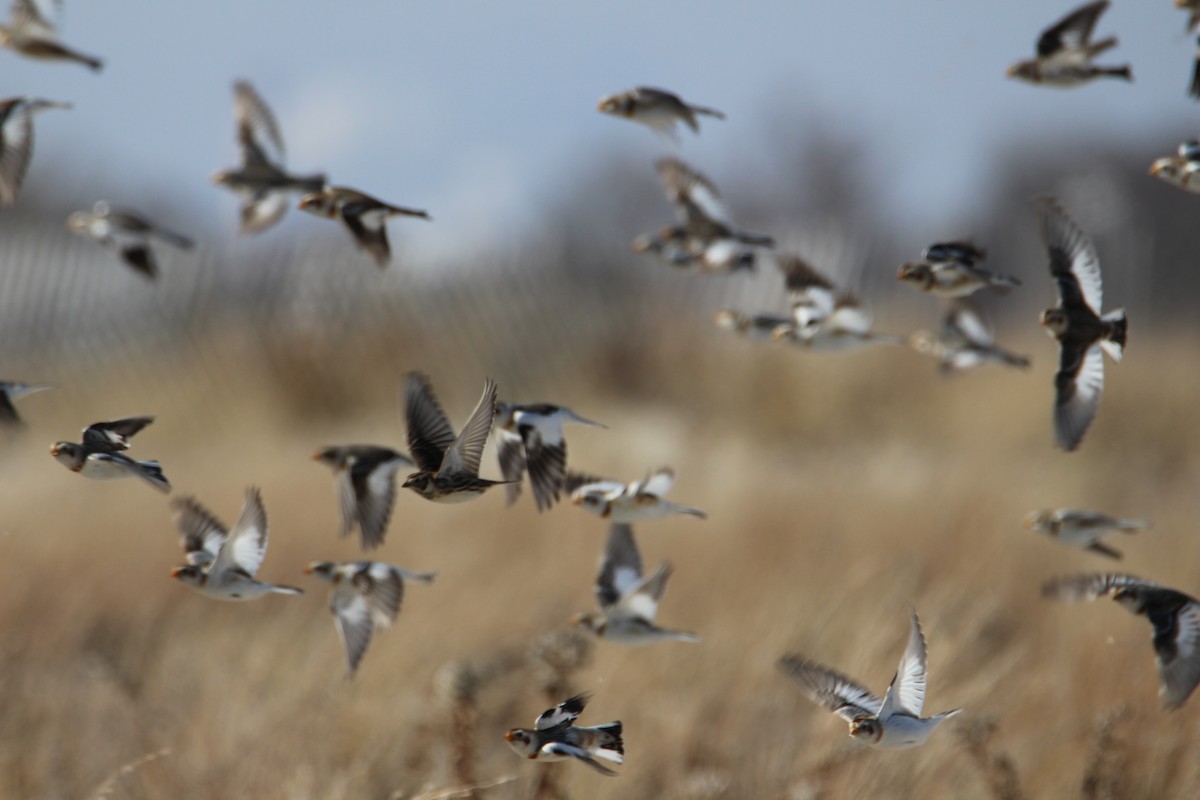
column 627, row 502
column 951, row 269
column 33, row 33
column 366, row 487
column 1076, row 323
column 628, row 600
column 129, row 232
column 365, row 596
column 101, row 453
column 364, row 216
column 556, row 737
column 16, row 142
column 824, row 318
column 1174, row 616
column 964, row 342
column 656, row 108
column 531, row 439
column 1181, row 169
column 1065, row 52
column 1082, row 529
column 10, row 391
column 261, row 179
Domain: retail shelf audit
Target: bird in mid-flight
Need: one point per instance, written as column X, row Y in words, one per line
column 131, row 233
column 556, row 737
column 101, row 453
column 364, row 216
column 657, row 108
column 1065, row 51
column 32, row 34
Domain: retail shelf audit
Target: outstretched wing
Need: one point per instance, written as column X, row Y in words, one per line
column 831, row 689
column 1073, row 31
column 429, row 433
column 246, row 544
column 464, row 454
column 1073, row 261
column 620, row 568
column 906, row 694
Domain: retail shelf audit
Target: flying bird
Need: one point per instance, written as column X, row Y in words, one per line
column 755, row 327
column 364, row 216
column 34, row 35
column 1082, row 529
column 261, row 179
column 1174, row 616
column 657, row 108
column 1076, row 323
column 964, row 342
column 101, row 453
column 1180, row 169
column 531, row 440
column 628, row 600
column 10, row 391
column 951, row 269
column 1065, row 52
column 824, row 318
column 366, row 595
column 222, row 563
column 556, row 737
column 894, row 722
column 16, row 141
column 627, row 502
column 131, row 233
column 366, row 487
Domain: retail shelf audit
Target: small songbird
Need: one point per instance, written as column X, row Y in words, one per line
column 555, row 737
column 366, row 595
column 531, row 439
column 32, row 34
column 100, row 455
column 964, row 342
column 221, row 563
column 448, row 465
column 823, row 319
column 261, row 179
column 131, row 233
column 364, row 216
column 1180, row 169
column 1174, row 616
column 16, row 142
column 951, row 269
column 894, row 722
column 1082, row 529
column 657, row 108
column 632, row 502
column 1065, row 52
column 628, row 601
column 366, row 487
column 756, row 327
column 1076, row 323
column 10, row 391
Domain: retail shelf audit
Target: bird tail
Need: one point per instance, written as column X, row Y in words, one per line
column 280, row 589
column 308, row 183
column 608, row 744
column 417, row 577
column 708, row 112
column 758, row 239
column 1096, row 48
column 1012, row 359
column 689, row 510
column 947, row 714
column 151, row 472
column 1118, row 72
column 1004, row 282
column 1113, row 342
column 1132, row 525
column 176, row 239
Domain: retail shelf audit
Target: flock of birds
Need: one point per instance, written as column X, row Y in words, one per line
column 444, row 466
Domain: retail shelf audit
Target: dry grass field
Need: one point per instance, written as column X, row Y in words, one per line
column 841, row 491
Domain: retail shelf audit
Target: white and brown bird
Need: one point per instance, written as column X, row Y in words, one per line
column 1065, row 52
column 1082, row 332
column 101, row 454
column 129, row 232
column 1174, row 616
column 1082, row 529
column 1181, row 169
column 364, row 216
column 894, row 722
column 261, row 180
column 16, row 141
column 627, row 502
column 222, row 563
column 531, row 440
column 964, row 341
column 366, row 596
column 824, row 318
column 628, row 600
column 10, row 391
column 32, row 33
column 755, row 327
column 556, row 737
column 951, row 269
column 657, row 108
column 366, row 487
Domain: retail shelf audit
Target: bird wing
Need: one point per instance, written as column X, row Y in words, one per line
column 566, row 749
column 1179, row 658
column 352, row 616
column 382, row 586
column 200, row 533
column 812, row 295
column 464, row 454
column 258, row 132
column 620, row 567
column 429, row 433
column 964, row 320
column 1073, row 261
column 641, row 600
column 831, row 689
column 657, row 483
column 109, row 437
column 1073, row 31
column 564, row 714
column 1078, row 385
column 906, row 694
column 1089, row 586
column 373, row 493
column 31, row 20
column 510, row 451
column 545, row 451
column 16, row 145
column 246, row 544
column 694, row 196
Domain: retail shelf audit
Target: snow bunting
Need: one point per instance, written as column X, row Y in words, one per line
column 366, row 487
column 628, row 601
column 632, row 502
column 129, row 232
column 100, row 454
column 756, row 327
column 261, row 179
column 1065, row 52
column 366, row 595
column 1174, row 616
column 823, row 319
column 555, row 737
column 963, row 342
column 32, row 34
column 531, row 440
column 951, row 269
column 222, row 564
column 1082, row 529
column 448, row 466
column 364, row 216
column 16, row 142
column 891, row 723
column 1076, row 323
column 657, row 108
column 10, row 391
column 1180, row 169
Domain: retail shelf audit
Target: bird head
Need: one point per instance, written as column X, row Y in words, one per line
column 916, row 273
column 334, row 457
column 522, row 741
column 1055, row 321
column 68, row 454
column 616, row 104
column 591, row 500
column 593, row 622
column 322, row 569
column 318, row 203
column 867, row 728
column 729, row 320
column 1131, row 598
column 190, row 574
column 1025, row 71
column 1038, row 521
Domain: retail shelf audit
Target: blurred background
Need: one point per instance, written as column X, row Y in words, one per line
column 841, row 489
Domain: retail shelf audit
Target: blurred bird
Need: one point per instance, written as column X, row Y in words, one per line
column 16, row 141
column 261, row 179
column 632, row 502
column 1180, row 169
column 1174, row 616
column 555, row 737
column 366, row 595
column 1065, row 52
column 129, row 232
column 659, row 109
column 628, row 601
column 951, row 269
column 894, row 722
column 222, row 564
column 100, row 454
column 448, row 466
column 823, row 319
column 364, row 216
column 531, row 439
column 1193, row 28
column 1076, row 324
column 31, row 33
column 963, row 342
column 10, row 391
column 757, row 327
column 366, row 487
column 1082, row 529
